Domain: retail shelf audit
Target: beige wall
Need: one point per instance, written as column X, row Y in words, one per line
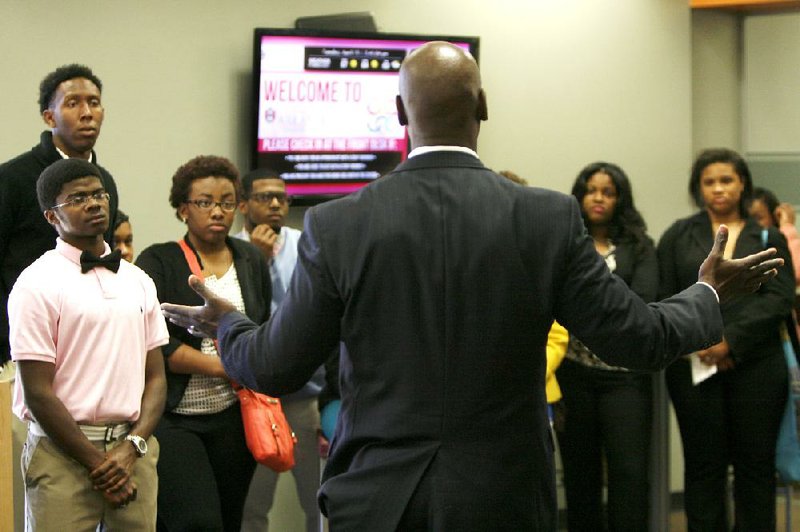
column 771, row 114
column 771, row 66
column 716, row 80
column 568, row 82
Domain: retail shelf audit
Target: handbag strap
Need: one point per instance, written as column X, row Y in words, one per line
column 191, row 259
column 194, row 267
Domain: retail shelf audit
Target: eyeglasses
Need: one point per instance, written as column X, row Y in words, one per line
column 267, row 197
column 79, row 200
column 207, row 205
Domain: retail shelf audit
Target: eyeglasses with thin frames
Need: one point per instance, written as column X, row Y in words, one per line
column 82, row 199
column 267, row 197
column 207, row 205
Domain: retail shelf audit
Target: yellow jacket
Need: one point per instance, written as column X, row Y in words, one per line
column 556, row 349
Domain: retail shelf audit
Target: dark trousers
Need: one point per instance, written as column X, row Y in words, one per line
column 605, row 413
column 204, row 471
column 731, row 418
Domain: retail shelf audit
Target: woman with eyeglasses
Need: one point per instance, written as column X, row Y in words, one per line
column 205, row 467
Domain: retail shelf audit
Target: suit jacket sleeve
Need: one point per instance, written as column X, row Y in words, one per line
column 281, row 355
column 152, row 261
column 616, row 324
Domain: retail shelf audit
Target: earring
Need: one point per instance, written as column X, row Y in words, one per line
column 184, row 219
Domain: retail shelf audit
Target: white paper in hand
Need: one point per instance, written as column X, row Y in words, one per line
column 700, row 371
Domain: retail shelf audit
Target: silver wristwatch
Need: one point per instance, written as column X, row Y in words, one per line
column 138, row 443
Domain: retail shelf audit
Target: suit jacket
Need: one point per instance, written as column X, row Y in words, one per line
column 166, row 264
column 751, row 321
column 638, row 270
column 24, row 233
column 442, row 279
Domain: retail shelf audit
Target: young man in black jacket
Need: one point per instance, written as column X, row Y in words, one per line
column 70, row 104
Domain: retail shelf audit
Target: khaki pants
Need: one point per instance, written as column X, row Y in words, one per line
column 59, row 495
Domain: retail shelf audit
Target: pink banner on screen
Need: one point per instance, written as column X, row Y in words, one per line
column 305, row 144
column 322, row 189
column 344, row 42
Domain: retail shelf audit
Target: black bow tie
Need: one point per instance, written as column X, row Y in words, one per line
column 110, row 261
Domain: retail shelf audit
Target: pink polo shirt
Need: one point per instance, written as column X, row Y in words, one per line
column 96, row 327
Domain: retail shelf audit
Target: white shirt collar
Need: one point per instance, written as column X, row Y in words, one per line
column 73, row 253
column 65, row 156
column 428, row 149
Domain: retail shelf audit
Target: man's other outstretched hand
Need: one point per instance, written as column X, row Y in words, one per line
column 735, row 277
column 199, row 321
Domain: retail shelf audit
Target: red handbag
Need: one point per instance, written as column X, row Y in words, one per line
column 268, row 434
column 269, row 437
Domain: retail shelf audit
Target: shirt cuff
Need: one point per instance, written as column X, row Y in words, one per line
column 711, row 287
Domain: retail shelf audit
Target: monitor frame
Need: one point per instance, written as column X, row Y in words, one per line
column 259, row 33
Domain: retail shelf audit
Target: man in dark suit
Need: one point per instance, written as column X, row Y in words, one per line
column 441, row 281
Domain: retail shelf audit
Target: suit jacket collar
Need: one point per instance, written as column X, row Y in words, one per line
column 439, row 159
column 241, row 262
column 46, row 150
column 701, row 230
column 702, row 235
column 229, row 241
column 427, row 149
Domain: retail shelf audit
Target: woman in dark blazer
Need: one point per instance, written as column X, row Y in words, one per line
column 732, row 417
column 607, row 410
column 205, row 467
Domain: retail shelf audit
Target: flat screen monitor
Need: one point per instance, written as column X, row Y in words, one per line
column 325, row 115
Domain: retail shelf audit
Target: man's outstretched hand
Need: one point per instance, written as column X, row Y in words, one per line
column 735, row 277
column 199, row 321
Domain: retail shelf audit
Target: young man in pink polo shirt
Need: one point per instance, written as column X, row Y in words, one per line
column 86, row 332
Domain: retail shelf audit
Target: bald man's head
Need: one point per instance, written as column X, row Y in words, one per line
column 441, row 99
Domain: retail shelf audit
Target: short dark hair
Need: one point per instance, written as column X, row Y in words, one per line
column 50, row 83
column 58, row 174
column 200, row 167
column 720, row 155
column 511, row 176
column 255, row 175
column 626, row 223
column 121, row 219
column 770, row 202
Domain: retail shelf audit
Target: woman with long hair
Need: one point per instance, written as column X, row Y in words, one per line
column 732, row 416
column 205, row 467
column 607, row 410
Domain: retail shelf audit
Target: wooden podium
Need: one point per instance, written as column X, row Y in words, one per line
column 6, row 461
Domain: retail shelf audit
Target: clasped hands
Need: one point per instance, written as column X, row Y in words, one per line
column 113, row 475
column 717, row 355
